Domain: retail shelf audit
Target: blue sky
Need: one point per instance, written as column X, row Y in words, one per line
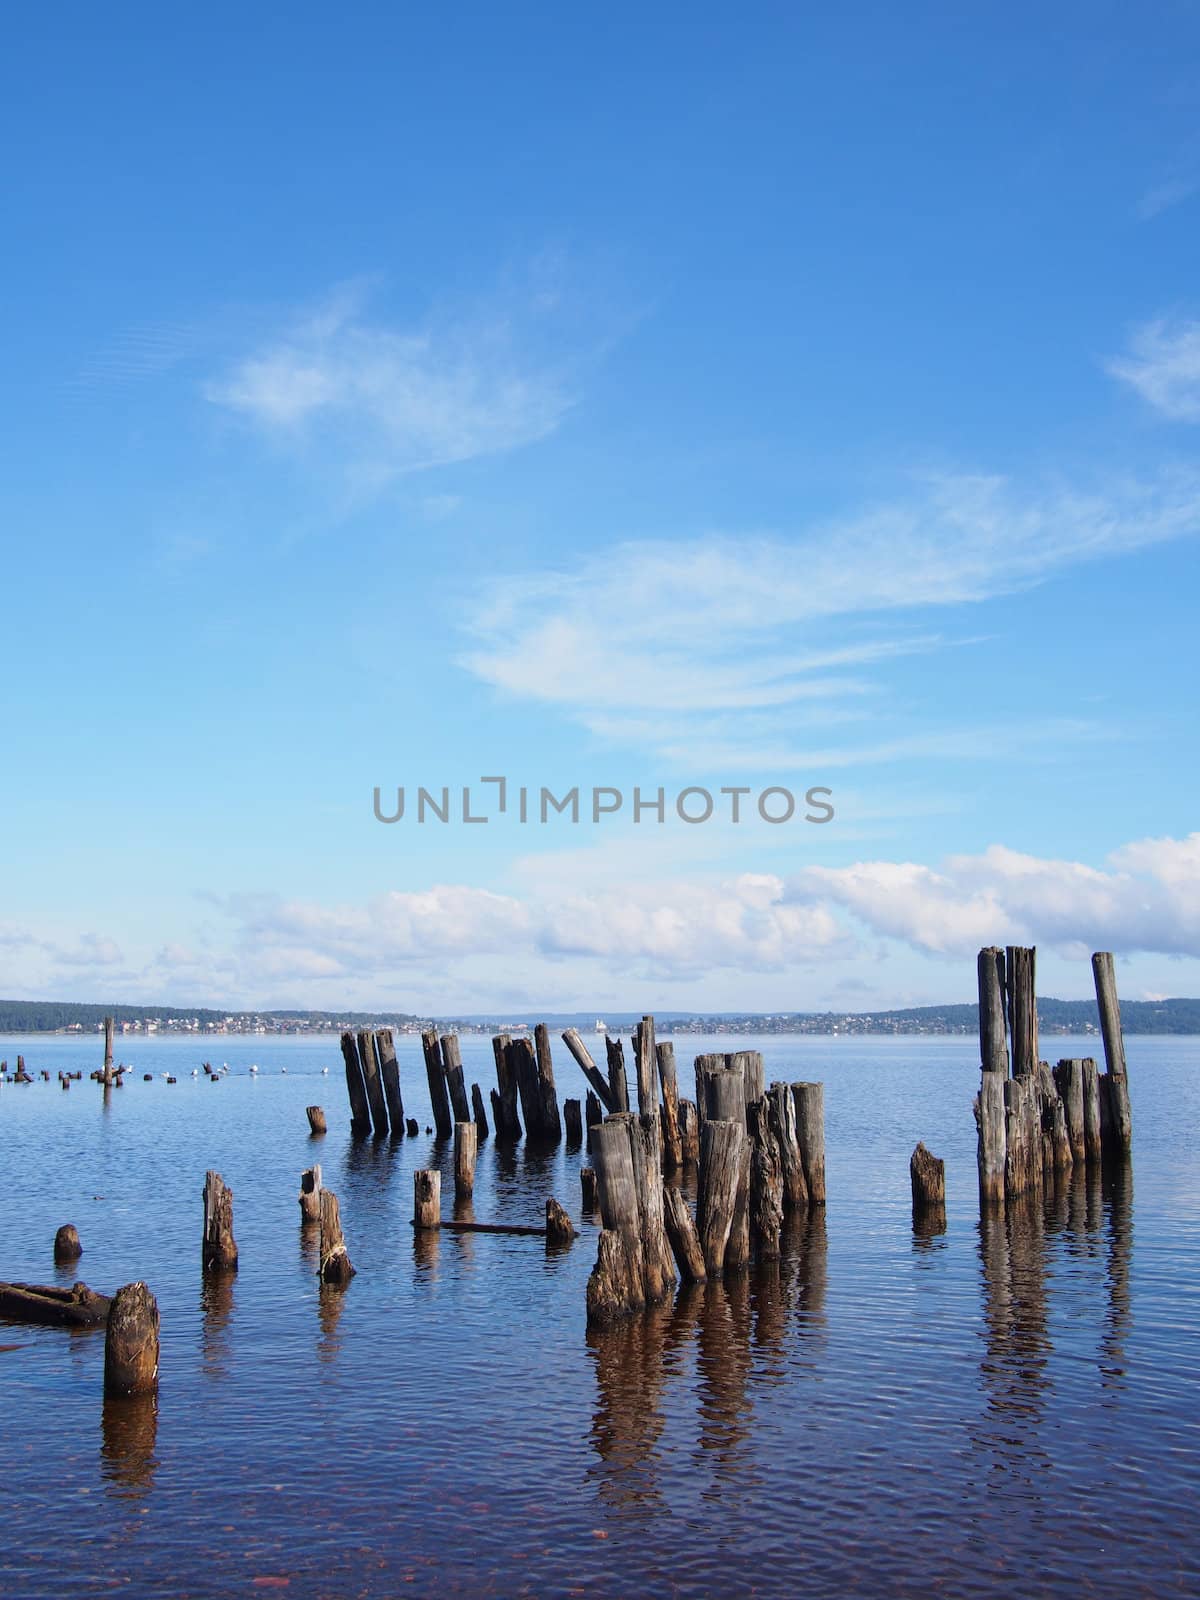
column 612, row 398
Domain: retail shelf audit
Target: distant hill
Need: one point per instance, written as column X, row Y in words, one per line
column 1054, row 1016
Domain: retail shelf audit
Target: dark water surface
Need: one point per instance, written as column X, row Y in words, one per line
column 1007, row 1409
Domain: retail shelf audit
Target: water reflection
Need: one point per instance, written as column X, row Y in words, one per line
column 330, row 1300
column 216, row 1309
column 129, row 1433
column 1118, row 1319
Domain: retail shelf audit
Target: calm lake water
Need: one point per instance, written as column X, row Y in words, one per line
column 1012, row 1409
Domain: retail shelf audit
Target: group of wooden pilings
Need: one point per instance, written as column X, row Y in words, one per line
column 373, row 1085
column 1034, row 1124
column 760, row 1153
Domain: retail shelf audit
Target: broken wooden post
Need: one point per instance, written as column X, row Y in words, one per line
column 549, row 1121
column 990, row 1118
column 782, row 1113
column 590, row 1070
column 439, row 1100
column 219, row 1252
column 504, row 1104
column 689, row 1132
column 587, row 1184
column 618, row 1087
column 478, row 1112
column 464, row 1160
column 616, row 1285
column 335, row 1266
column 1021, row 990
column 645, row 1066
column 928, row 1176
column 524, row 1072
column 703, row 1066
column 573, row 1120
column 766, row 1180
column 131, row 1342
column 310, row 1194
column 316, row 1120
column 1068, row 1080
column 1092, row 1144
column 66, row 1244
column 722, row 1149
column 559, row 1227
column 750, row 1064
column 427, row 1198
column 593, row 1117
column 411, row 1127
column 1116, row 1120
column 725, row 1089
column 671, row 1134
column 455, row 1082
column 108, row 1050
column 993, row 1044
column 356, row 1090
column 389, row 1071
column 681, row 1231
column 647, row 1166
column 809, row 1100
column 374, row 1083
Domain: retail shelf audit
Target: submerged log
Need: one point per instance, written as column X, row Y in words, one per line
column 464, row 1160
column 356, row 1089
column 131, row 1342
column 525, row 1230
column 559, row 1227
column 389, row 1071
column 50, row 1306
column 427, row 1198
column 219, row 1252
column 335, row 1265
column 439, row 1100
column 1116, row 1119
column 809, row 1100
column 66, row 1244
column 672, row 1136
column 590, row 1070
column 480, row 1115
column 316, row 1120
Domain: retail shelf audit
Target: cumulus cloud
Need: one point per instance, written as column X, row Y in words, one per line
column 1163, row 364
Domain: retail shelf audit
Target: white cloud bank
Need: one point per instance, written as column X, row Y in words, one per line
column 1163, row 365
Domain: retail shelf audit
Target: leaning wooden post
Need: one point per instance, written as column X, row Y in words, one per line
column 681, row 1231
column 374, row 1083
column 928, row 1176
column 618, row 1086
column 1115, row 1115
column 427, row 1198
column 131, row 1342
column 464, row 1160
column 809, row 1100
column 219, row 1252
column 335, row 1261
column 590, row 1070
column 478, row 1112
column 455, row 1082
column 316, row 1120
column 646, row 1065
column 438, row 1098
column 672, row 1137
column 549, row 1119
column 356, row 1089
column 616, row 1285
column 389, row 1071
column 310, row 1194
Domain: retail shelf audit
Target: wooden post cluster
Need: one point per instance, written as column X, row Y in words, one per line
column 634, row 1267
column 1036, row 1124
column 373, row 1083
column 219, row 1252
column 439, row 1099
column 525, row 1072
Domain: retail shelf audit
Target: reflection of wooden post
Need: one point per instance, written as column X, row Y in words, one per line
column 220, row 1252
column 464, row 1160
column 131, row 1342
column 335, row 1261
column 1115, row 1116
column 427, row 1198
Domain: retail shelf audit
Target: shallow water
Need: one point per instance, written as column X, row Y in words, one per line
column 1007, row 1409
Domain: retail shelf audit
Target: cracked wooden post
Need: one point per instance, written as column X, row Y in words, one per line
column 464, row 1160
column 549, row 1119
column 219, row 1252
column 993, row 1040
column 722, row 1148
column 1021, row 991
column 616, row 1285
column 389, row 1071
column 1068, row 1080
column 310, row 1194
column 559, row 1227
column 356, row 1089
column 689, row 1132
column 335, row 1266
column 316, row 1121
column 725, row 1090
column 504, row 1103
column 524, row 1071
column 928, row 1177
column 1116, row 1120
column 480, row 1115
column 427, row 1198
column 66, row 1244
column 766, row 1180
column 809, row 1100
column 618, row 1086
column 671, row 1134
column 439, row 1100
column 374, row 1083
column 990, row 1119
column 681, row 1231
column 782, row 1113
column 131, row 1342
column 646, row 1065
column 1092, row 1143
column 455, row 1082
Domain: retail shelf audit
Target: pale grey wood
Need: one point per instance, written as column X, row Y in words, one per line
column 722, row 1147
column 464, row 1159
column 809, row 1101
column 588, row 1067
column 993, row 1044
column 439, row 1099
column 427, row 1198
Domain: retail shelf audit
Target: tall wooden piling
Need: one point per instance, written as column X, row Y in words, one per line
column 782, row 1114
column 549, row 1119
column 1021, row 993
column 645, row 1066
column 647, row 1162
column 583, row 1057
column 335, row 1268
column 704, row 1064
column 766, row 1180
column 689, row 1132
column 504, row 1106
column 480, row 1115
column 990, row 1120
column 356, row 1089
column 1091, row 1110
column 219, row 1252
column 1116, row 1120
column 131, row 1342
column 1068, row 1080
column 389, row 1071
column 722, row 1148
column 671, row 1134
column 618, row 1084
column 456, row 1084
column 464, row 1160
column 439, row 1100
column 108, row 1049
column 374, row 1083
column 993, row 1044
column 809, row 1100
column 427, row 1198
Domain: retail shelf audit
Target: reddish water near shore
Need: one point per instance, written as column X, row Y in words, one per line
column 1012, row 1409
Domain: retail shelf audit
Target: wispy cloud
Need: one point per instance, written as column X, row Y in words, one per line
column 781, row 628
column 1163, row 365
column 1178, row 181
column 388, row 399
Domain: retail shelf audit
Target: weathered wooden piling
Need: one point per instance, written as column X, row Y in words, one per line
column 559, row 1227
column 464, row 1160
column 617, row 1283
column 618, row 1085
column 1068, row 1080
column 373, row 1082
column 504, row 1104
column 782, row 1113
column 335, row 1268
column 478, row 1112
column 990, row 1117
column 587, row 1185
column 1091, row 1110
column 573, row 1120
column 766, row 1180
column 66, row 1244
column 750, row 1064
column 131, row 1342
column 439, row 1100
column 1116, row 1120
column 681, row 1231
column 1023, row 1160
column 704, row 1064
column 523, row 1067
column 689, row 1132
column 356, row 1089
column 593, row 1116
column 219, row 1252
column 316, row 1120
column 672, row 1136
column 583, row 1058
column 549, row 1124
column 722, row 1152
column 1021, row 993
column 389, row 1071
column 412, row 1128
column 928, row 1176
column 108, row 1049
column 310, row 1194
column 993, row 1042
column 456, row 1084
column 427, row 1198
column 809, row 1100
column 645, row 1066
